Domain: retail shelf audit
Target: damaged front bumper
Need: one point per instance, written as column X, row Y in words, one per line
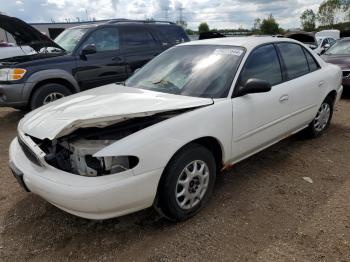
column 89, row 197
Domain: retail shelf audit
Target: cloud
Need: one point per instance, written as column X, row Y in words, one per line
column 218, row 13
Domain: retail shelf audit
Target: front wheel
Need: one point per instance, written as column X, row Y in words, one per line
column 322, row 120
column 187, row 183
column 48, row 93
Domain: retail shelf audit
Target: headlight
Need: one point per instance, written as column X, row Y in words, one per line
column 12, row 74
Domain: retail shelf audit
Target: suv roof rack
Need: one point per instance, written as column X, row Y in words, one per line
column 122, row 20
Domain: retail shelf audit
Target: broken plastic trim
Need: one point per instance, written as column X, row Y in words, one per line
column 74, row 152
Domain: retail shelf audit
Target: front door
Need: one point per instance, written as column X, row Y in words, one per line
column 260, row 119
column 107, row 65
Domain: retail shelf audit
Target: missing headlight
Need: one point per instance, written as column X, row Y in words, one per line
column 109, row 165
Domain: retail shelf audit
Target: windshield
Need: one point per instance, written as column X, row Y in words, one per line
column 340, row 48
column 198, row 70
column 69, row 38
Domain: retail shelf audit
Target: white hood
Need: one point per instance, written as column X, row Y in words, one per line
column 101, row 107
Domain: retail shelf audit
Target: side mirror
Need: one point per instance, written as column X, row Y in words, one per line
column 88, row 50
column 254, row 86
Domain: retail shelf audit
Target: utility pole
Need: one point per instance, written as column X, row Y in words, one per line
column 166, row 13
column 181, row 9
column 87, row 15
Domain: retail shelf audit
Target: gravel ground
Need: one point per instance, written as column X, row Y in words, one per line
column 261, row 210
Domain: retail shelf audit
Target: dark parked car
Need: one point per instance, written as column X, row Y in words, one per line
column 339, row 54
column 210, row 35
column 307, row 38
column 80, row 58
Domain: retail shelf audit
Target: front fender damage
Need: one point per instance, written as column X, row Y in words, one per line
column 75, row 147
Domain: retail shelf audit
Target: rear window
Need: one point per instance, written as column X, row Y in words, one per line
column 172, row 34
column 294, row 60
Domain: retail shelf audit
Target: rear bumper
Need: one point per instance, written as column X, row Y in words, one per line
column 88, row 197
column 12, row 95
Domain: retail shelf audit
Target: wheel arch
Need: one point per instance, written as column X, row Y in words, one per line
column 210, row 143
column 333, row 95
column 56, row 76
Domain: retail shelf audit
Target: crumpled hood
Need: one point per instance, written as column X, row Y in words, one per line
column 101, row 107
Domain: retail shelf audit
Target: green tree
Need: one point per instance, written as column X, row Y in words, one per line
column 308, row 20
column 269, row 26
column 256, row 26
column 203, row 28
column 327, row 12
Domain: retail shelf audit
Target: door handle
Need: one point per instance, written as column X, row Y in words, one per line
column 321, row 83
column 284, row 98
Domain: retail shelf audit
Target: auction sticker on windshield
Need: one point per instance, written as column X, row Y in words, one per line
column 228, row 51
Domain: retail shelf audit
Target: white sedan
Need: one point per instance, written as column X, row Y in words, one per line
column 161, row 139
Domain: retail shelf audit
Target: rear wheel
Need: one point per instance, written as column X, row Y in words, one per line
column 187, row 183
column 48, row 93
column 322, row 120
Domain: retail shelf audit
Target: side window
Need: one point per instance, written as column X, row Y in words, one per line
column 136, row 37
column 312, row 61
column 263, row 63
column 294, row 60
column 331, row 41
column 105, row 39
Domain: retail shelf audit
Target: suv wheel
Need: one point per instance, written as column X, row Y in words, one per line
column 322, row 120
column 47, row 94
column 187, row 183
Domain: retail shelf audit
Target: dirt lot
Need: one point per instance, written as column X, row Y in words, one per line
column 262, row 210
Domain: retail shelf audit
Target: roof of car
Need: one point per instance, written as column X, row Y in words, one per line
column 124, row 22
column 249, row 42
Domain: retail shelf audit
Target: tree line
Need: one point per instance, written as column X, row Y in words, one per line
column 330, row 14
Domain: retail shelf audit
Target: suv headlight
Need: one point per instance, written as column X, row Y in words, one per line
column 12, row 74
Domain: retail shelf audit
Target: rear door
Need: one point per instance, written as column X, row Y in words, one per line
column 139, row 46
column 261, row 119
column 107, row 65
column 305, row 75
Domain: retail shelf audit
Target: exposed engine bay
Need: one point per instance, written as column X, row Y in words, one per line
column 74, row 153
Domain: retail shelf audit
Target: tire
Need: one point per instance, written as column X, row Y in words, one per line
column 322, row 120
column 48, row 93
column 175, row 180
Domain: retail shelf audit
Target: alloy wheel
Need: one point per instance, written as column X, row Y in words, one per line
column 192, row 184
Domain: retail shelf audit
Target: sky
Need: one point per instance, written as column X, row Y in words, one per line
column 218, row 14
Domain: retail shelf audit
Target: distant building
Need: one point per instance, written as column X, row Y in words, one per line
column 50, row 29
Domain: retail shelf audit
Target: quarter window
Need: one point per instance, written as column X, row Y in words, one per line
column 263, row 63
column 294, row 60
column 311, row 60
column 106, row 39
